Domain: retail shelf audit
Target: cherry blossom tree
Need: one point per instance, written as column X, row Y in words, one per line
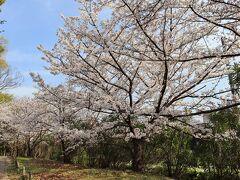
column 65, row 118
column 150, row 63
column 223, row 14
column 8, row 134
column 23, row 123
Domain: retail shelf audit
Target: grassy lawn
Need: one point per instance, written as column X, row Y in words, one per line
column 51, row 170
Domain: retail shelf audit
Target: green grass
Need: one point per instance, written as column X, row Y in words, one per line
column 45, row 169
column 32, row 165
column 12, row 171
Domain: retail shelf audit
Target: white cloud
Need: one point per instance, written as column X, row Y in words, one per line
column 22, row 91
column 17, row 56
column 39, row 71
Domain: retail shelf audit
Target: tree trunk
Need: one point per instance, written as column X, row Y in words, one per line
column 138, row 155
column 169, row 168
column 4, row 150
column 66, row 158
column 29, row 150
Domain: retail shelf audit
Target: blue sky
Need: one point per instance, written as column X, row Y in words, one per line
column 29, row 24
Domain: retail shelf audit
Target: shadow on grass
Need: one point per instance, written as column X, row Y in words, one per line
column 50, row 170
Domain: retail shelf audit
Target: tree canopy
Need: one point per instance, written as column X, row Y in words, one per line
column 143, row 71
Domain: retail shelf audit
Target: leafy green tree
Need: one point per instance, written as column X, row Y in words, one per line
column 4, row 98
column 171, row 149
column 234, row 80
column 7, row 79
column 225, row 120
column 3, row 64
column 220, row 156
column 2, row 1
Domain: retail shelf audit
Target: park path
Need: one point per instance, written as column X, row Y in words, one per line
column 4, row 162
